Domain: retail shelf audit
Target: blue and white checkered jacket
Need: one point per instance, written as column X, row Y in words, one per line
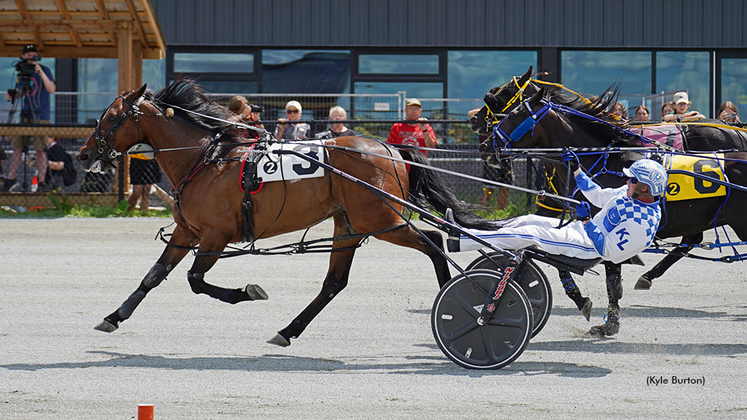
column 624, row 227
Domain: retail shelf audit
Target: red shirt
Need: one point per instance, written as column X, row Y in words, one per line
column 402, row 133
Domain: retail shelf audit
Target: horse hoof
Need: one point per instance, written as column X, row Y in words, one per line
column 643, row 283
column 106, row 326
column 255, row 292
column 604, row 330
column 279, row 340
column 586, row 309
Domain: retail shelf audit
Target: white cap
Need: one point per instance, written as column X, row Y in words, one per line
column 681, row 98
column 294, row 104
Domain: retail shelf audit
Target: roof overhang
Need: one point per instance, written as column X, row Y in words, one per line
column 79, row 28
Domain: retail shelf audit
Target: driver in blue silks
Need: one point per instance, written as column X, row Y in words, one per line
column 625, row 225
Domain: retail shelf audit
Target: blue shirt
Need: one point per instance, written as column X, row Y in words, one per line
column 38, row 96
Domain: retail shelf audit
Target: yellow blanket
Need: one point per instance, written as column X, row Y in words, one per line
column 683, row 187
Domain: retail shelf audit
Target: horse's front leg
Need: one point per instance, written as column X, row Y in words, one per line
column 171, row 256
column 614, row 293
column 572, row 291
column 686, row 245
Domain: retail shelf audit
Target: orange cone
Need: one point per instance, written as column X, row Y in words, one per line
column 145, row 412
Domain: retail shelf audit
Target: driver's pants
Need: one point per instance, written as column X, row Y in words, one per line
column 524, row 231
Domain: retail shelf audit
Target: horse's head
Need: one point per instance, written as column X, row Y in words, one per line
column 114, row 133
column 500, row 100
column 517, row 129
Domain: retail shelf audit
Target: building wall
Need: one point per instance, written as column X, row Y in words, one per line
column 465, row 23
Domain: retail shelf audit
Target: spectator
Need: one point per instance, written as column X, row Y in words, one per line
column 143, row 173
column 35, row 110
column 619, row 109
column 728, row 113
column 55, row 164
column 289, row 130
column 338, row 129
column 667, row 109
column 681, row 110
column 413, row 134
column 237, row 105
column 502, row 173
column 642, row 114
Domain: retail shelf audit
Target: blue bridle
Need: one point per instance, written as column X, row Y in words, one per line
column 522, row 129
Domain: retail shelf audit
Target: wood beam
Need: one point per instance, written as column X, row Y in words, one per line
column 125, row 56
column 25, row 14
column 69, row 51
column 138, row 24
column 66, row 15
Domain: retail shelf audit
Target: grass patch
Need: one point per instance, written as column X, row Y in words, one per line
column 62, row 209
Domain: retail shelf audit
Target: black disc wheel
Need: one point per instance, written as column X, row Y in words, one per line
column 454, row 321
column 532, row 280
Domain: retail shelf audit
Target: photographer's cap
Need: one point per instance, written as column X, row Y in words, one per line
column 29, row 48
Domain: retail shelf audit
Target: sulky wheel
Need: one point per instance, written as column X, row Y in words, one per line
column 532, row 280
column 454, row 321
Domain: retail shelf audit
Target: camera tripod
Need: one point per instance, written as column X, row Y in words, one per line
column 24, row 92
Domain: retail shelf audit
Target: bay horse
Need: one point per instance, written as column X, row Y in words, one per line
column 199, row 151
column 551, row 127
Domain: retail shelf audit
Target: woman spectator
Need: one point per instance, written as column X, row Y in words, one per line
column 642, row 114
column 728, row 113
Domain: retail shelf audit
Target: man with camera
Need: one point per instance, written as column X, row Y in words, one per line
column 34, row 84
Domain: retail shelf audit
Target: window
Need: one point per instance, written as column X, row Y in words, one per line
column 686, row 71
column 398, row 64
column 98, row 83
column 305, row 71
column 473, row 73
column 213, row 63
column 593, row 72
column 734, row 84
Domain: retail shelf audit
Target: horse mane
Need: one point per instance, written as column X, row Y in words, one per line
column 610, row 132
column 184, row 93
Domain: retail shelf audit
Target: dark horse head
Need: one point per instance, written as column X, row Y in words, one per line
column 540, row 123
column 499, row 100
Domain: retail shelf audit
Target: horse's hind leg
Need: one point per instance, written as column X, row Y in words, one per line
column 686, row 245
column 407, row 236
column 168, row 260
column 614, row 294
column 337, row 278
column 572, row 291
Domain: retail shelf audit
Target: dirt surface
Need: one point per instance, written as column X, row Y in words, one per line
column 370, row 354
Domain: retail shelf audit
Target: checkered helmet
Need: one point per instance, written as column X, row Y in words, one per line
column 650, row 173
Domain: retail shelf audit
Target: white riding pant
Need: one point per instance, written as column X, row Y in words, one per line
column 570, row 240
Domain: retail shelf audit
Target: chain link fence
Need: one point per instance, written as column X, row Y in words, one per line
column 370, row 115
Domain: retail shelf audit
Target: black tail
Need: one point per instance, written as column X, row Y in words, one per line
column 428, row 184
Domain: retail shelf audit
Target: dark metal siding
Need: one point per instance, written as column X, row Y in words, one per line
column 450, row 23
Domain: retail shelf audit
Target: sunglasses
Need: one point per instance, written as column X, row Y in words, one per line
column 291, row 111
column 633, row 181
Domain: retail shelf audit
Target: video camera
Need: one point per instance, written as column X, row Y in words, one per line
column 26, row 69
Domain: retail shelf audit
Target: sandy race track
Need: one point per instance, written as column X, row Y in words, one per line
column 370, row 354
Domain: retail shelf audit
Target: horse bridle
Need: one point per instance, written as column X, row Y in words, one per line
column 106, row 149
column 523, row 128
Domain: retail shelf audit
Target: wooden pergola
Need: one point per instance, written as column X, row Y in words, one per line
column 123, row 29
